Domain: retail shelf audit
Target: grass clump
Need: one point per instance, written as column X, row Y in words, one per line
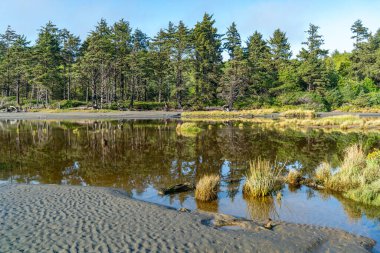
column 357, row 177
column 298, row 113
column 207, row 188
column 350, row 172
column 262, row 178
column 323, row 173
column 225, row 114
column 188, row 129
column 294, row 177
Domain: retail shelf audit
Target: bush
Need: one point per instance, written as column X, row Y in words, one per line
column 207, row 188
column 294, row 177
column 304, row 100
column 367, row 194
column 67, row 104
column 140, row 105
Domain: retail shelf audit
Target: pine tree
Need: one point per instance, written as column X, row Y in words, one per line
column 181, row 49
column 98, row 59
column 48, row 58
column 259, row 64
column 233, row 41
column 70, row 50
column 207, row 61
column 313, row 69
column 138, row 62
column 7, row 40
column 122, row 43
column 235, row 78
column 360, row 33
column 280, row 55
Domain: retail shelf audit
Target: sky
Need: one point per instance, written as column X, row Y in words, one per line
column 334, row 17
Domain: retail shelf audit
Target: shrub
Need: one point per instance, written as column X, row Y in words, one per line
column 294, row 177
column 207, row 188
column 66, row 104
column 262, row 178
column 368, row 193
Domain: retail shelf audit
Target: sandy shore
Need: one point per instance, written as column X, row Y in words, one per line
column 89, row 115
column 49, row 218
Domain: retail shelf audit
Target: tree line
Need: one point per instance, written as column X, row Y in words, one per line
column 117, row 66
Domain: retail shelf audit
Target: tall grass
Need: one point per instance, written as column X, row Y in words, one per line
column 189, row 129
column 225, row 114
column 367, row 193
column 262, row 178
column 358, row 176
column 207, row 188
column 298, row 113
column 323, row 173
column 350, row 172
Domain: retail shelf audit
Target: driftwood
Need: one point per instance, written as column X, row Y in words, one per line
column 311, row 183
column 232, row 180
column 177, row 188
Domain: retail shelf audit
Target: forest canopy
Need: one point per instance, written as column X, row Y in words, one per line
column 117, row 67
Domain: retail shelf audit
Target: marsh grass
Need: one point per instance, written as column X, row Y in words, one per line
column 349, row 174
column 357, row 177
column 188, row 129
column 367, row 193
column 207, row 188
column 298, row 113
column 323, row 173
column 225, row 114
column 263, row 178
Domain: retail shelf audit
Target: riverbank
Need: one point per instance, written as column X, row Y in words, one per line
column 72, row 115
column 40, row 218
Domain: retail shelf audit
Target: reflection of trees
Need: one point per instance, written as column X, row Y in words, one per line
column 355, row 210
column 137, row 154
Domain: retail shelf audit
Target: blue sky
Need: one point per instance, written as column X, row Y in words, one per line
column 293, row 16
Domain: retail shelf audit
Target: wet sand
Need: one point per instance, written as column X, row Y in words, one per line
column 52, row 218
column 89, row 115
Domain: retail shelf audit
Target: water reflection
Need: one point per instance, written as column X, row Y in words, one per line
column 143, row 156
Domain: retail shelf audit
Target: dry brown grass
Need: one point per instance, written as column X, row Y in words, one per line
column 299, row 114
column 207, row 188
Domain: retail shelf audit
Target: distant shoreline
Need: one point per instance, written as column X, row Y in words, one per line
column 89, row 115
column 90, row 218
column 79, row 115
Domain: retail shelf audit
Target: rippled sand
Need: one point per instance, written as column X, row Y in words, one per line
column 50, row 218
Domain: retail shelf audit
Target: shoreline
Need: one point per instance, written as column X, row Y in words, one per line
column 89, row 115
column 94, row 219
column 115, row 115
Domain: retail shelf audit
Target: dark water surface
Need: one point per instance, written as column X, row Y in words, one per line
column 143, row 156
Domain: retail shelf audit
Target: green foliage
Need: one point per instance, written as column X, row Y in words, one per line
column 117, row 67
column 66, row 104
